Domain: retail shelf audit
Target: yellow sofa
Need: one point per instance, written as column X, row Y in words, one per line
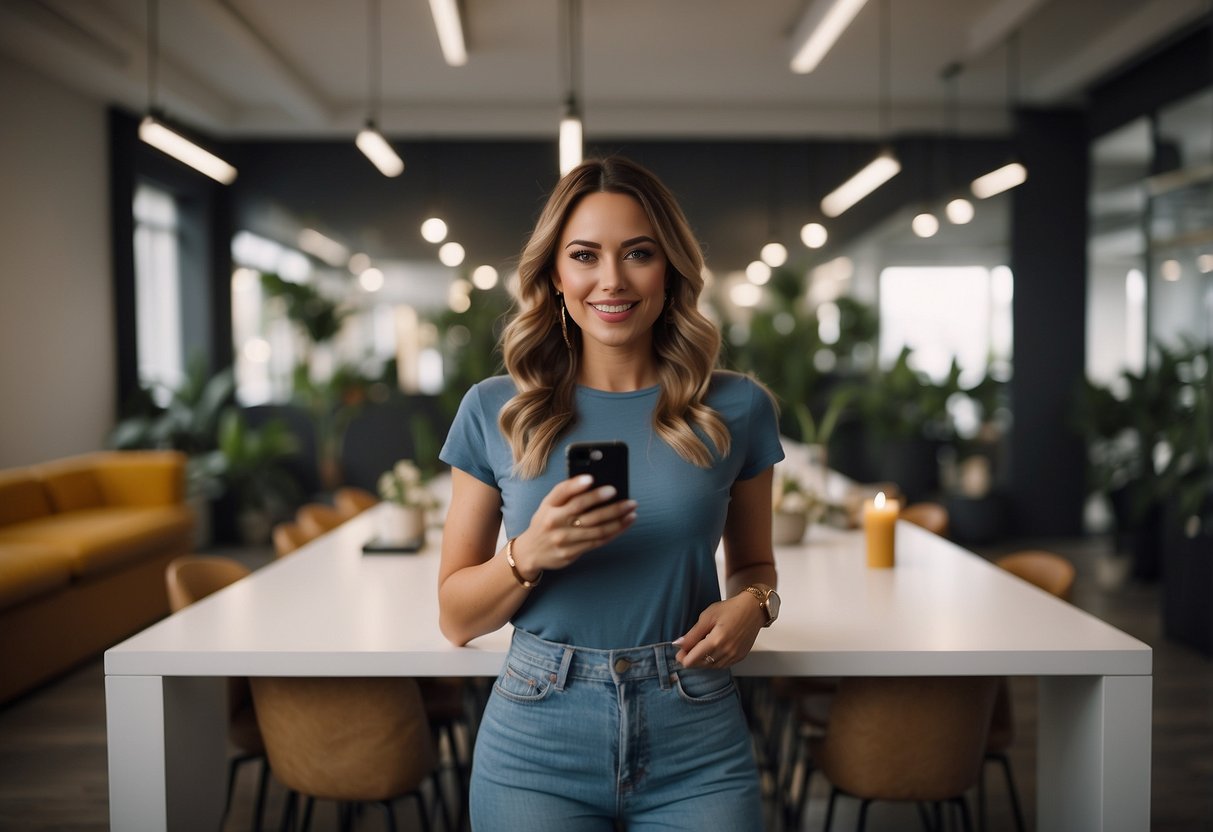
column 84, row 542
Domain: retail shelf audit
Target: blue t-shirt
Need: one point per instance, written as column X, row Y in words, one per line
column 650, row 584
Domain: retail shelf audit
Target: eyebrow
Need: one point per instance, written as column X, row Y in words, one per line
column 629, row 242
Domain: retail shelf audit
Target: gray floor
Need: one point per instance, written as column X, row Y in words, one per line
column 53, row 753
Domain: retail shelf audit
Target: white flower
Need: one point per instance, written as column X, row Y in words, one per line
column 403, row 485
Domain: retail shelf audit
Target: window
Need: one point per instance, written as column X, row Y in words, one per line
column 158, row 335
column 946, row 312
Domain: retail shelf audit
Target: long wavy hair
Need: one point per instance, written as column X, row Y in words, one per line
column 685, row 343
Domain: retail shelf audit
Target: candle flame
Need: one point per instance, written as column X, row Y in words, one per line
column 879, row 501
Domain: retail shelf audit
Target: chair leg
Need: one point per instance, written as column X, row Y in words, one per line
column 862, row 823
column 966, row 821
column 262, row 783
column 307, row 813
column 389, row 816
column 797, row 791
column 1016, row 809
column 982, row 814
column 924, row 817
column 288, row 812
column 830, row 808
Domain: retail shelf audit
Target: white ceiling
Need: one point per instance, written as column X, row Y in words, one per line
column 651, row 68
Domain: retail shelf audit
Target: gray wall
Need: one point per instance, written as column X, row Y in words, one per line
column 56, row 307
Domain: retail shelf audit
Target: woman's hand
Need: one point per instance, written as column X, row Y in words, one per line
column 724, row 633
column 572, row 519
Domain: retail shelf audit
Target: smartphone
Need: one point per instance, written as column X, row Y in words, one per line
column 606, row 462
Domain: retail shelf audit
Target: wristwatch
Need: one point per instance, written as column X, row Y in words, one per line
column 768, row 601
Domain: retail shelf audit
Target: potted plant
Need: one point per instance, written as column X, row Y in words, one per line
column 402, row 487
column 188, row 421
column 791, row 507
column 905, row 418
column 251, row 463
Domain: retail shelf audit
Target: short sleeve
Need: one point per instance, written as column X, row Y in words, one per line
column 763, row 448
column 466, row 446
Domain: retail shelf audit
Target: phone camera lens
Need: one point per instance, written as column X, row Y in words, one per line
column 596, row 455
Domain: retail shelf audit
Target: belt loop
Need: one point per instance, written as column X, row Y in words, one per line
column 565, row 661
column 663, row 670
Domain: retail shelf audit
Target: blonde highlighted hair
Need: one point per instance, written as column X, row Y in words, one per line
column 685, row 343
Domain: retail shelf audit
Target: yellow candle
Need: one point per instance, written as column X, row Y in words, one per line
column 879, row 520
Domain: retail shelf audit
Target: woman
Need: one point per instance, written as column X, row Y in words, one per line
column 616, row 703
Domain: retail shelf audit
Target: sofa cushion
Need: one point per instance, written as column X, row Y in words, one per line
column 21, row 497
column 28, row 570
column 102, row 540
column 71, row 484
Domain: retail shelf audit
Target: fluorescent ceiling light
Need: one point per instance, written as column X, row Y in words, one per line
column 878, row 171
column 450, row 31
column 570, row 142
column 823, row 21
column 159, row 136
column 326, row 248
column 996, row 181
column 372, row 143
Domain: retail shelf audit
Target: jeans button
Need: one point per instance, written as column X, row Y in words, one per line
column 622, row 665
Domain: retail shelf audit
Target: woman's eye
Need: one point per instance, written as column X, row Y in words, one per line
column 638, row 254
column 582, row 256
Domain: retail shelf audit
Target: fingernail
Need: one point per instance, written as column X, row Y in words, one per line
column 678, row 640
column 585, row 479
column 607, row 492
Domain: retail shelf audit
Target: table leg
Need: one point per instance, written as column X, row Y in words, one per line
column 167, row 739
column 1093, row 753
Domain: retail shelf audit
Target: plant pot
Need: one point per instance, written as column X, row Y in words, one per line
column 398, row 524
column 1187, row 581
column 788, row 528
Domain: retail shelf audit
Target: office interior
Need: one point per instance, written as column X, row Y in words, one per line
column 1101, row 256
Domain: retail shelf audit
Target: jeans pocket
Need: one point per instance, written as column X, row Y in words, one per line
column 522, row 684
column 702, row 686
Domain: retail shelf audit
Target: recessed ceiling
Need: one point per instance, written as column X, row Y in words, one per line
column 675, row 68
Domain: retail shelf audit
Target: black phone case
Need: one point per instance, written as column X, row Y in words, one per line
column 606, row 462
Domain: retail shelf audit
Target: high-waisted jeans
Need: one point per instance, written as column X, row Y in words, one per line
column 575, row 739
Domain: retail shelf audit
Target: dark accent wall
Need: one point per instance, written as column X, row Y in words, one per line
column 1048, row 259
column 204, row 208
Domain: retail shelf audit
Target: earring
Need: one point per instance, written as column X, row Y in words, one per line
column 564, row 326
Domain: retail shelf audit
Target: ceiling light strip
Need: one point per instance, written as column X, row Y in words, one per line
column 450, row 31
column 820, row 26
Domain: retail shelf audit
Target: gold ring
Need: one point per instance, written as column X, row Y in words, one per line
column 577, row 522
column 710, row 659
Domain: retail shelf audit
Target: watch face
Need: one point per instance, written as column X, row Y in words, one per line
column 773, row 604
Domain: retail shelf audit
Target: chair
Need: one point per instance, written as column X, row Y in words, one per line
column 188, row 579
column 350, row 500
column 1054, row 574
column 917, row 739
column 931, row 516
column 351, row 740
column 315, row 519
column 287, row 537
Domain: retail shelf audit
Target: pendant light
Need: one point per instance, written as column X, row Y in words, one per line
column 571, row 128
column 1013, row 173
column 370, row 141
column 157, row 133
column 885, row 166
column 820, row 26
column 959, row 210
column 773, row 253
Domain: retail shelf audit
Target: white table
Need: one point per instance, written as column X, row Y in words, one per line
column 329, row 610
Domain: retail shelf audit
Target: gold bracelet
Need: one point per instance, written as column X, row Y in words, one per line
column 509, row 558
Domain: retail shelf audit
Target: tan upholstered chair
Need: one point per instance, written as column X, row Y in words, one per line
column 918, row 739
column 287, row 537
column 931, row 516
column 350, row 500
column 351, row 740
column 317, row 518
column 190, row 578
column 1055, row 575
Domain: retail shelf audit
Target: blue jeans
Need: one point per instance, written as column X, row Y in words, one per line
column 573, row 740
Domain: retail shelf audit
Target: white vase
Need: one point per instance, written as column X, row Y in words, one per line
column 400, row 524
column 788, row 527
